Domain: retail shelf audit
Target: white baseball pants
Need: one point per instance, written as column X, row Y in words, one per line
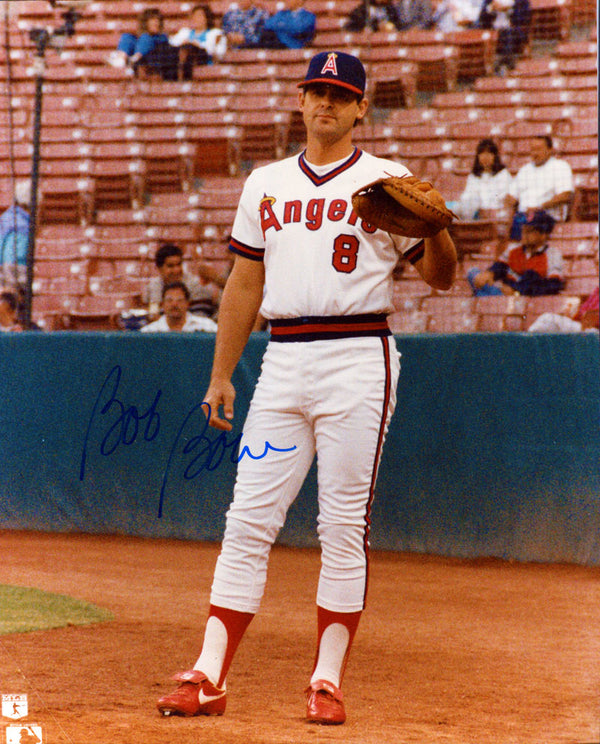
column 334, row 398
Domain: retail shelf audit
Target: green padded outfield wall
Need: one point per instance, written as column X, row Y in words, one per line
column 494, row 449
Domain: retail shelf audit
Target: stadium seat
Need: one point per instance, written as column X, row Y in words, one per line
column 565, row 303
column 216, row 150
column 120, row 249
column 586, row 50
column 64, row 200
column 437, row 68
column 394, row 85
column 584, row 166
column 500, row 313
column 585, row 199
column 417, row 37
column 407, row 322
column 50, row 311
column 476, row 52
column 452, row 323
column 543, row 67
column 447, row 305
column 501, row 305
column 583, row 267
column 471, row 235
column 581, row 286
column 55, row 268
column 167, row 166
column 98, row 312
column 475, row 131
column 450, row 185
column 263, row 135
column 121, row 233
column 552, row 115
column 214, row 225
column 199, row 119
column 345, row 41
column 550, row 19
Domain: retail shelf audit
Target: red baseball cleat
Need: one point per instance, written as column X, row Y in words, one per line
column 195, row 696
column 324, row 703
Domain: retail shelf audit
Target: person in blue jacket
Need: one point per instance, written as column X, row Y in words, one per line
column 149, row 49
column 14, row 228
column 291, row 28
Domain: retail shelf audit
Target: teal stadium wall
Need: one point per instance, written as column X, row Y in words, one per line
column 494, row 449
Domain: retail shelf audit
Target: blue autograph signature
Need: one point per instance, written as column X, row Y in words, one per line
column 128, row 424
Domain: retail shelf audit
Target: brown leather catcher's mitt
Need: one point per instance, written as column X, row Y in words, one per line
column 403, row 205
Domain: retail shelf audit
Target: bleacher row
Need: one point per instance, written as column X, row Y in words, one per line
column 128, row 163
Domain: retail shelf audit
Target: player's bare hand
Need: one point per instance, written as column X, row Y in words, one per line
column 220, row 394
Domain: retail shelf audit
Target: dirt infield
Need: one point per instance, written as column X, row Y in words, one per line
column 460, row 652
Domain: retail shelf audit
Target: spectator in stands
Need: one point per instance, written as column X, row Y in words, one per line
column 531, row 268
column 9, row 308
column 487, row 184
column 176, row 315
column 290, row 28
column 242, row 24
column 169, row 262
column 377, row 15
column 544, row 183
column 149, row 51
column 586, row 318
column 414, row 14
column 14, row 229
column 199, row 43
column 511, row 18
column 455, row 15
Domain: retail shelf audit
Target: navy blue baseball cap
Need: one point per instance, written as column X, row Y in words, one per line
column 540, row 221
column 336, row 68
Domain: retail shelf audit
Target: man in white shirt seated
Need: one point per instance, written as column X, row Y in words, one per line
column 176, row 315
column 544, row 183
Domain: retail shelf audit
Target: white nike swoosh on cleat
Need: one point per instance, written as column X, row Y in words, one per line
column 203, row 699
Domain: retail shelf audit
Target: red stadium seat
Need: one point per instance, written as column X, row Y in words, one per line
column 217, row 150
column 471, row 235
column 585, row 199
column 452, row 323
column 476, row 52
column 407, row 322
column 550, row 19
column 448, row 305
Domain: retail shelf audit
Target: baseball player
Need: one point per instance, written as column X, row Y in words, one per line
column 322, row 277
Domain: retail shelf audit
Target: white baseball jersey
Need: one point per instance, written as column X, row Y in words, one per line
column 320, row 258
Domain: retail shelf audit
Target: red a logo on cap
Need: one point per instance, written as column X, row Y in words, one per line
column 330, row 65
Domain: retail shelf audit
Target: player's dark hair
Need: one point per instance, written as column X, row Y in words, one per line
column 487, row 145
column 166, row 250
column 176, row 285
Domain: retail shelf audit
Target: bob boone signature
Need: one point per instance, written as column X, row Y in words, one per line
column 123, row 425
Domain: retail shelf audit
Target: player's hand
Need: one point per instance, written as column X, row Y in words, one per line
column 220, row 393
